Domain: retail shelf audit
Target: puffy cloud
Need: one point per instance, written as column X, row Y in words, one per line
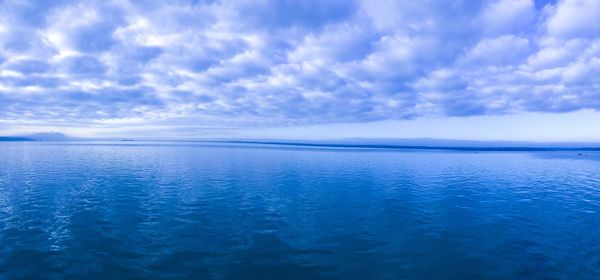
column 262, row 63
column 574, row 19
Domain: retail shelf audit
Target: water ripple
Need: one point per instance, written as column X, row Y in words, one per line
column 242, row 212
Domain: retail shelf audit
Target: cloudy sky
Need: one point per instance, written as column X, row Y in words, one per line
column 505, row 70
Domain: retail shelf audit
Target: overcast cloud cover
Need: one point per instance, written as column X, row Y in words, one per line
column 193, row 66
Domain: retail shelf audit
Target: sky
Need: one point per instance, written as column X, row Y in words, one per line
column 463, row 69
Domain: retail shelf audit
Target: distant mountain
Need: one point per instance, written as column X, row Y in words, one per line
column 45, row 136
column 49, row 136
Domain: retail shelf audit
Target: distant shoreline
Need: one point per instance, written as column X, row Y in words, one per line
column 418, row 147
column 16, row 139
column 334, row 145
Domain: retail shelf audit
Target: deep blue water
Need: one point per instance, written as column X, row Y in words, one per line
column 214, row 211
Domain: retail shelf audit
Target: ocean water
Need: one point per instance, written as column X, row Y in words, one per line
column 123, row 210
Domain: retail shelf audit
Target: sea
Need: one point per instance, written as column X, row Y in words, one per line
column 195, row 210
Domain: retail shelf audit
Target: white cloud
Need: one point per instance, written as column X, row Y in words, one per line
column 508, row 16
column 575, row 18
column 239, row 63
column 505, row 49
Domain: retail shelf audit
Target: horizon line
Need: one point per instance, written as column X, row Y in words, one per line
column 517, row 145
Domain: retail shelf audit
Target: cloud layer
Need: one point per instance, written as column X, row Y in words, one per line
column 278, row 63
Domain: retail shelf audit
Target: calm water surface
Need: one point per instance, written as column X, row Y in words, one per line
column 185, row 210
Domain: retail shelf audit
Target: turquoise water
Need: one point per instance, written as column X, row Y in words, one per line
column 214, row 211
